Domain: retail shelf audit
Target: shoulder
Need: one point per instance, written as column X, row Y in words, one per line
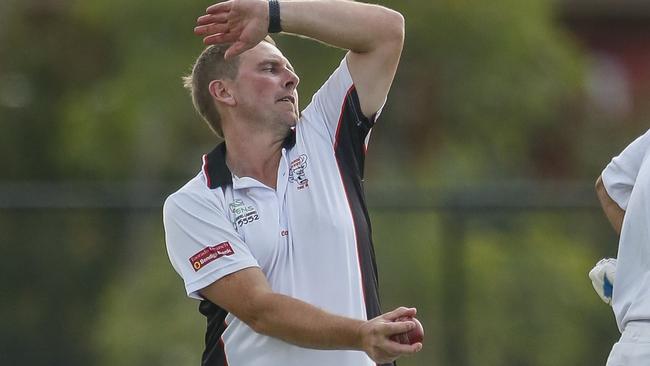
column 335, row 88
column 194, row 194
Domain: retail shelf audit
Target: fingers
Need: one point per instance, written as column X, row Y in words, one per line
column 212, row 18
column 397, row 327
column 209, row 29
column 403, row 349
column 389, row 351
column 399, row 313
column 233, row 22
column 381, row 335
column 236, row 49
column 220, row 38
column 215, row 25
column 211, row 24
column 220, row 7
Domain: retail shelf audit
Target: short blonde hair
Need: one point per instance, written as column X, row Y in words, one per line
column 209, row 66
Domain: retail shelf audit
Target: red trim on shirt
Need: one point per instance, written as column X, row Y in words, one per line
column 347, row 198
column 223, row 345
column 338, row 125
column 205, row 169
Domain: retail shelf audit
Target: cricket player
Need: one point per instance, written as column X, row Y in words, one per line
column 273, row 234
column 624, row 193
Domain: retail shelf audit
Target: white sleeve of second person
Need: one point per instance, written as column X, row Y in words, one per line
column 620, row 174
column 202, row 243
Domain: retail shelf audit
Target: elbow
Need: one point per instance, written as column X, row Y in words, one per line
column 390, row 39
column 263, row 324
column 256, row 323
column 385, row 31
column 257, row 316
column 599, row 186
column 395, row 27
column 602, row 194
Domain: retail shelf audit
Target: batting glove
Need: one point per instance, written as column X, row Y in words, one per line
column 602, row 277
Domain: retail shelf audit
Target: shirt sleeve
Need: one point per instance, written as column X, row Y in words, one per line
column 336, row 104
column 620, row 174
column 202, row 244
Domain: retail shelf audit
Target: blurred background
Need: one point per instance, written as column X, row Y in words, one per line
column 479, row 176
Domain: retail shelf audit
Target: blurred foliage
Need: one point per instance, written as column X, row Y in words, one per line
column 523, row 298
column 55, row 267
column 479, row 84
column 528, row 273
column 486, row 91
column 482, row 80
column 143, row 317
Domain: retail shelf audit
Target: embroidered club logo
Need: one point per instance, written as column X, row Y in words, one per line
column 297, row 172
column 209, row 254
column 243, row 214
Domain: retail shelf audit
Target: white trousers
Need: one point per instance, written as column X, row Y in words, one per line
column 633, row 349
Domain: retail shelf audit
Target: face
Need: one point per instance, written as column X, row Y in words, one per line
column 265, row 87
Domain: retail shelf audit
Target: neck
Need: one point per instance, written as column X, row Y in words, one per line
column 255, row 155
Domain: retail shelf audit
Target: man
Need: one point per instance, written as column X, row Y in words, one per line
column 624, row 193
column 273, row 234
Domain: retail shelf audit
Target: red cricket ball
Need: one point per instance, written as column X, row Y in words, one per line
column 415, row 335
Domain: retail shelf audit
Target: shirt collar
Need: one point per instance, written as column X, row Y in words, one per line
column 216, row 170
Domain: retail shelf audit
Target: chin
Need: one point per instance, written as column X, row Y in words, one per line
column 293, row 120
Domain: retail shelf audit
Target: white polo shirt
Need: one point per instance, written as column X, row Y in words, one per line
column 627, row 181
column 310, row 236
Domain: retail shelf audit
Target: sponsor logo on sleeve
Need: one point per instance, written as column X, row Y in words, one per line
column 209, row 254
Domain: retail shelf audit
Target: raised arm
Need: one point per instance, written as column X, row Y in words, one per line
column 373, row 34
column 247, row 295
column 614, row 213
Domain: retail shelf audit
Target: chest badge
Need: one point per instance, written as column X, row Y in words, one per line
column 243, row 214
column 297, row 173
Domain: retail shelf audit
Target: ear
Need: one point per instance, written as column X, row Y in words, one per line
column 220, row 91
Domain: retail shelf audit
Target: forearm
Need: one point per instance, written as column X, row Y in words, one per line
column 247, row 295
column 354, row 26
column 305, row 325
column 613, row 212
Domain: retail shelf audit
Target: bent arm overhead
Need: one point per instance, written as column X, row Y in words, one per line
column 373, row 34
column 614, row 213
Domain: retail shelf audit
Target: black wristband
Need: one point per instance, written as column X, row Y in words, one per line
column 274, row 17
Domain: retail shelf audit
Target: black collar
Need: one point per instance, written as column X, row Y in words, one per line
column 216, row 169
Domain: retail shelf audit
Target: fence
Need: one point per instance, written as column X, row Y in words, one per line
column 498, row 273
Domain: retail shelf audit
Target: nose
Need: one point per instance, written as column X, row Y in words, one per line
column 292, row 80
